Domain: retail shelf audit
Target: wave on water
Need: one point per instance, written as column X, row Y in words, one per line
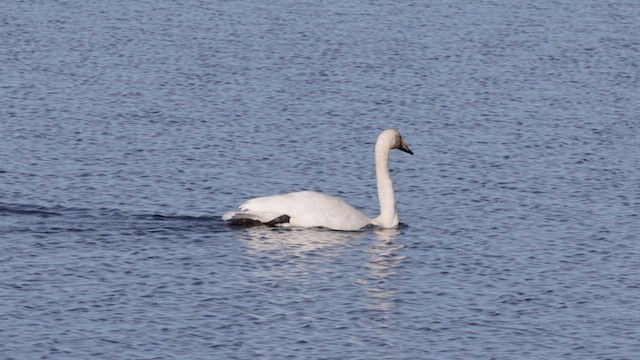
column 24, row 209
column 41, row 219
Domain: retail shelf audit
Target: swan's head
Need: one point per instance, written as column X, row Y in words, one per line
column 393, row 139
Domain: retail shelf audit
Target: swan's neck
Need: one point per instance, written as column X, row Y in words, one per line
column 388, row 213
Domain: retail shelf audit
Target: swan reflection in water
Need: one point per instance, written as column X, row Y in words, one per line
column 294, row 245
column 383, row 265
column 287, row 242
column 318, row 267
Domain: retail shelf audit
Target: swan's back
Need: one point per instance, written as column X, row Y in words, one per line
column 303, row 209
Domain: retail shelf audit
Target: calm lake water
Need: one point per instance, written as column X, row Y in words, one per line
column 129, row 127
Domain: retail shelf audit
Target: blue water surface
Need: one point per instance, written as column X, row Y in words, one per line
column 128, row 129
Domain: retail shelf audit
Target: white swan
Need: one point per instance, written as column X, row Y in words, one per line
column 313, row 209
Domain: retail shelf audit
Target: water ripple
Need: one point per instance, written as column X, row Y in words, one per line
column 128, row 128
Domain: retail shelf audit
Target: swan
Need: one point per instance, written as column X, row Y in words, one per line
column 314, row 209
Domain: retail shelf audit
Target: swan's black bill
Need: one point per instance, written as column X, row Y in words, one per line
column 403, row 146
column 406, row 149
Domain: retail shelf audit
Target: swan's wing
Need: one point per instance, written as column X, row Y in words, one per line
column 270, row 210
column 304, row 209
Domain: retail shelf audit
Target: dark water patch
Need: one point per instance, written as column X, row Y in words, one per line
column 160, row 217
column 42, row 220
column 27, row 210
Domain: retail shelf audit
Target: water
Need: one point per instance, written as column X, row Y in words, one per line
column 128, row 128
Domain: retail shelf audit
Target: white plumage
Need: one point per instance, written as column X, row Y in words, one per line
column 314, row 209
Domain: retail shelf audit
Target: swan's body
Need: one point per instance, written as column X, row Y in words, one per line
column 314, row 209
